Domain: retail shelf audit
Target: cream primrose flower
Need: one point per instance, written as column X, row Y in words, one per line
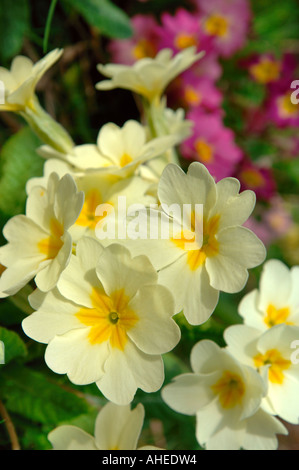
column 205, row 252
column 19, row 84
column 225, row 397
column 107, row 322
column 148, row 77
column 106, row 200
column 116, row 428
column 270, row 353
column 39, row 244
column 277, row 299
column 119, row 150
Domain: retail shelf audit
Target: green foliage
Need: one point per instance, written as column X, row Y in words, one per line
column 19, row 162
column 14, row 25
column 110, row 20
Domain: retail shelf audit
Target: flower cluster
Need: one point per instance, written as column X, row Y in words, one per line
column 239, row 391
column 108, row 284
column 222, row 28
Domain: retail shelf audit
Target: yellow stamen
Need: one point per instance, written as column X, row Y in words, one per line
column 230, row 389
column 125, row 160
column 144, row 48
column 210, row 245
column 277, row 364
column 276, row 316
column 87, row 217
column 286, row 107
column 184, row 40
column 204, row 151
column 266, row 71
column 51, row 245
column 192, row 97
column 109, row 319
column 217, row 25
column 252, row 178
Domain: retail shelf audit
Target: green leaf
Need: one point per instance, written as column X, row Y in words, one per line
column 14, row 24
column 14, row 345
column 34, row 396
column 104, row 15
column 19, row 162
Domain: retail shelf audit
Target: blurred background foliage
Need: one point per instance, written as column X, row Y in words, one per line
column 36, row 399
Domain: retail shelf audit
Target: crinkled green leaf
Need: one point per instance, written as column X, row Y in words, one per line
column 34, row 396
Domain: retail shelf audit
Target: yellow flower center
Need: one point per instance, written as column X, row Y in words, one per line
column 191, row 96
column 230, row 389
column 210, row 245
column 286, row 107
column 125, row 160
column 277, row 365
column 144, row 48
column 184, row 40
column 51, row 245
column 266, row 70
column 252, row 178
column 109, row 319
column 276, row 316
column 217, row 25
column 87, row 217
column 204, row 151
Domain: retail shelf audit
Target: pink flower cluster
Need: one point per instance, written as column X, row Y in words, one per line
column 218, row 27
column 221, row 29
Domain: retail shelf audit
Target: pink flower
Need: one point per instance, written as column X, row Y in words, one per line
column 144, row 42
column 274, row 221
column 280, row 109
column 183, row 30
column 227, row 21
column 268, row 69
column 258, row 178
column 190, row 91
column 212, row 144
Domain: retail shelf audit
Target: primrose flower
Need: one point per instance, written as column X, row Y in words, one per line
column 277, row 299
column 271, row 353
column 20, row 83
column 116, row 428
column 206, row 249
column 21, row 80
column 225, row 396
column 107, row 322
column 119, row 151
column 212, row 144
column 227, row 22
column 39, row 243
column 148, row 77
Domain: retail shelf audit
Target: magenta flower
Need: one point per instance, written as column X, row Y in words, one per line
column 190, row 91
column 259, row 179
column 211, row 144
column 183, row 30
column 272, row 223
column 143, row 43
column 268, row 69
column 227, row 21
column 280, row 109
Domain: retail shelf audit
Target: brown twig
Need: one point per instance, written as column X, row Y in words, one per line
column 10, row 428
